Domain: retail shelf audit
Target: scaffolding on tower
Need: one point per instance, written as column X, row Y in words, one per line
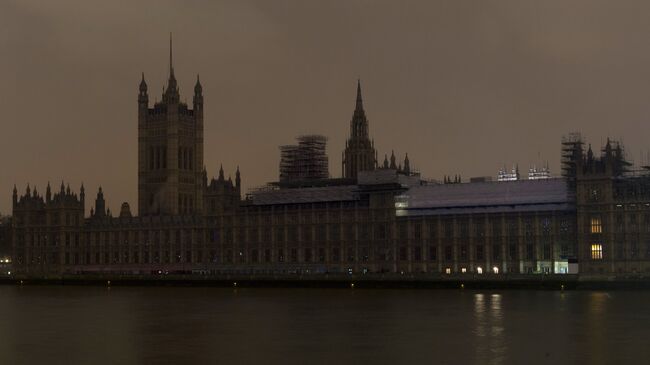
column 306, row 160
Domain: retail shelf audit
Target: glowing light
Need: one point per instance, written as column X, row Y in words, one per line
column 495, row 270
column 596, row 225
column 448, row 270
column 596, row 252
column 479, row 270
column 463, row 270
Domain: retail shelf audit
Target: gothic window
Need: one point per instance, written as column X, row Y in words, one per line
column 336, row 254
column 151, row 158
column 496, row 252
column 463, row 253
column 321, row 254
column 464, row 228
column 596, row 251
column 402, row 253
column 335, row 232
column 350, row 254
column 417, row 231
column 164, row 157
column 294, row 255
column 417, row 253
column 547, row 251
column 433, row 233
column 402, row 229
column 530, row 252
column 512, row 252
column 433, row 253
column 449, row 229
column 267, row 255
column 448, row 253
column 280, row 255
column 596, row 225
column 480, row 252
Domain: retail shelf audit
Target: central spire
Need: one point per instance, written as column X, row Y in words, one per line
column 171, row 64
column 171, row 94
column 359, row 99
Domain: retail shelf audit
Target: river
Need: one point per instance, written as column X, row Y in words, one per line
column 190, row 325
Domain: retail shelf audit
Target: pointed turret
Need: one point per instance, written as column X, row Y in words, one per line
column 82, row 194
column 143, row 96
column 198, row 96
column 15, row 195
column 28, row 191
column 393, row 165
column 359, row 106
column 386, row 161
column 608, row 148
column 407, row 165
column 48, row 193
column 100, row 203
column 221, row 173
column 237, row 179
column 198, row 89
column 143, row 85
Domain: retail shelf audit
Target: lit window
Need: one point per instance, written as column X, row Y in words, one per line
column 596, row 225
column 447, row 271
column 495, row 270
column 596, row 252
column 479, row 270
column 463, row 270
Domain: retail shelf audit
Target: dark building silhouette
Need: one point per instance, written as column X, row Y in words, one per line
column 374, row 219
column 170, row 151
column 359, row 153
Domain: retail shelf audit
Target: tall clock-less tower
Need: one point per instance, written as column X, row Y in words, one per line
column 359, row 154
column 170, row 151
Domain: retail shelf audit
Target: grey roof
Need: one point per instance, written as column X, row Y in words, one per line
column 305, row 195
column 486, row 197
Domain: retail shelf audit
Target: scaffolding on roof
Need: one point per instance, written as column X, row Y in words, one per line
column 304, row 161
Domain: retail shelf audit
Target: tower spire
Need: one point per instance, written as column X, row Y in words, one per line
column 359, row 99
column 171, row 64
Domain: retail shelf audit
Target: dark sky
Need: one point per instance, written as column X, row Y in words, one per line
column 462, row 86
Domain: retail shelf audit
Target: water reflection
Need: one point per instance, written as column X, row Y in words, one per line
column 596, row 317
column 84, row 325
column 488, row 315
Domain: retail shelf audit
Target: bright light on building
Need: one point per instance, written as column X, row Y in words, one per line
column 479, row 270
column 596, row 252
column 596, row 225
column 463, row 270
column 447, row 270
column 495, row 270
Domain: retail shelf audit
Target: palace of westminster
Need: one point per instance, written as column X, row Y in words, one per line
column 378, row 217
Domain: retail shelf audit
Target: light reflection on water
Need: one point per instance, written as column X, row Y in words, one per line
column 83, row 325
column 489, row 329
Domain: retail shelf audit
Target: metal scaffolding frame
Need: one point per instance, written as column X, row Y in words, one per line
column 306, row 160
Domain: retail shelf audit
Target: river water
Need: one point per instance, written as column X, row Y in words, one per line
column 179, row 325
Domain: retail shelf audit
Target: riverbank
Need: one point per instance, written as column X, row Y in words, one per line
column 536, row 282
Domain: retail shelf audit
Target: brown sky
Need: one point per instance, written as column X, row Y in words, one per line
column 462, row 86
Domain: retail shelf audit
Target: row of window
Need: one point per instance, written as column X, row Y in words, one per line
column 350, row 254
column 158, row 158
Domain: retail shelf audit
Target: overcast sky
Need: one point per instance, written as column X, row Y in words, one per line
column 462, row 86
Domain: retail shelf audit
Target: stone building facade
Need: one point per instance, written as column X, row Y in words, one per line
column 374, row 220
